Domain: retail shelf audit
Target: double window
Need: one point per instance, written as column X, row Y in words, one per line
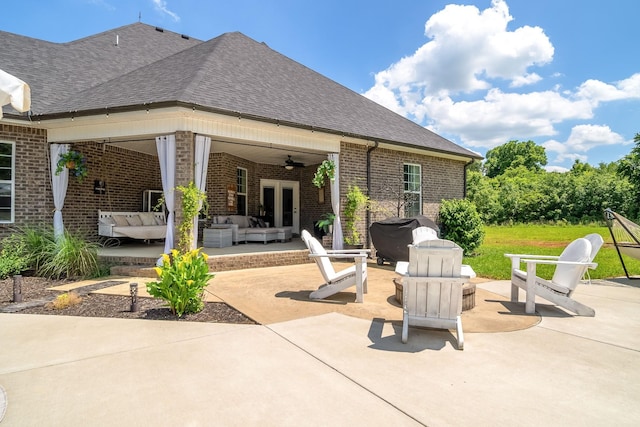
column 412, row 190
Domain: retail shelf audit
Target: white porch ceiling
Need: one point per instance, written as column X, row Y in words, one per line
column 254, row 152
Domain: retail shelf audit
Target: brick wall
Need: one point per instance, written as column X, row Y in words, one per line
column 441, row 179
column 33, row 198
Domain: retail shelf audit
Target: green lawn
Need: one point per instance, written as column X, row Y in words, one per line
column 545, row 240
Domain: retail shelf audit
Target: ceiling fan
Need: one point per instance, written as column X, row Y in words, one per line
column 289, row 164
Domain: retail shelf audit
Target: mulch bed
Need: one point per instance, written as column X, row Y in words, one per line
column 35, row 292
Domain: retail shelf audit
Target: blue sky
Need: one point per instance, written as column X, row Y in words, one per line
column 565, row 74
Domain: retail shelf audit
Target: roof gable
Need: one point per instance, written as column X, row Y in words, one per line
column 231, row 73
column 56, row 70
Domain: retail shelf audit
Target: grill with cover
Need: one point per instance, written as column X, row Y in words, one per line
column 392, row 237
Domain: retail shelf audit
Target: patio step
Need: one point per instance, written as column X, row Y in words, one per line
column 133, row 270
column 220, row 262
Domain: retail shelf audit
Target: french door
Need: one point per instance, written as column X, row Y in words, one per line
column 281, row 202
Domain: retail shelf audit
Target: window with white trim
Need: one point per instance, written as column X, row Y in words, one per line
column 242, row 191
column 412, row 190
column 7, row 182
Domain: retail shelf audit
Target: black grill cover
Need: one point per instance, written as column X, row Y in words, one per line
column 392, row 236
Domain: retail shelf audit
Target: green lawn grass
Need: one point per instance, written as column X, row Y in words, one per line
column 491, row 263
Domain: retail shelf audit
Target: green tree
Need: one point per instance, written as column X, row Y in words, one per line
column 629, row 167
column 521, row 195
column 512, row 155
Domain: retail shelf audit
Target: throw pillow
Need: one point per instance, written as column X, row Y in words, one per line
column 134, row 220
column 121, row 221
column 107, row 221
column 253, row 223
column 261, row 223
column 161, row 221
column 147, row 218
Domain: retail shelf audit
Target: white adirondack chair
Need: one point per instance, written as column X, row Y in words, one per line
column 596, row 241
column 423, row 233
column 355, row 275
column 432, row 288
column 570, row 268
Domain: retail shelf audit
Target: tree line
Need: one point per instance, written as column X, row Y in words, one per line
column 512, row 186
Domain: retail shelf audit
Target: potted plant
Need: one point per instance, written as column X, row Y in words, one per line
column 356, row 200
column 326, row 169
column 75, row 162
column 325, row 223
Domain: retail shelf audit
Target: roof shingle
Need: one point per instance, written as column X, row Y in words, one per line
column 231, row 72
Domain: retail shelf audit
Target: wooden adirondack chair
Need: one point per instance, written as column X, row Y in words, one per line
column 432, row 288
column 355, row 275
column 570, row 268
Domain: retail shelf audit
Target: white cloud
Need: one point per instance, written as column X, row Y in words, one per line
column 161, row 6
column 467, row 50
column 501, row 117
column 596, row 91
column 556, row 169
column 582, row 139
column 468, row 81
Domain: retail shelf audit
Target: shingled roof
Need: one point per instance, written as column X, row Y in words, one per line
column 231, row 73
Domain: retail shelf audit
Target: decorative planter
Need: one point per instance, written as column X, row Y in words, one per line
column 359, row 246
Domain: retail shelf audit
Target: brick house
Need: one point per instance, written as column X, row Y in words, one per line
column 111, row 94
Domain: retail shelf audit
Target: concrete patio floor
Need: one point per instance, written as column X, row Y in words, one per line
column 327, row 369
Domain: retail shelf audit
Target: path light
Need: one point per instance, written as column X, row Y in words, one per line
column 133, row 289
column 17, row 288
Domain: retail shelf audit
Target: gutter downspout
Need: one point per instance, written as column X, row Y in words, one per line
column 368, row 212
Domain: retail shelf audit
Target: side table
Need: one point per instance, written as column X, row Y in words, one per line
column 217, row 237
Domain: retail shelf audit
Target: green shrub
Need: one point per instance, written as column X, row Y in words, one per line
column 39, row 244
column 13, row 257
column 183, row 278
column 461, row 223
column 71, row 257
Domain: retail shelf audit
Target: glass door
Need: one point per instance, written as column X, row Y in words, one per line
column 281, row 201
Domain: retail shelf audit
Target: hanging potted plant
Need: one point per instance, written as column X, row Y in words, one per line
column 75, row 162
column 326, row 169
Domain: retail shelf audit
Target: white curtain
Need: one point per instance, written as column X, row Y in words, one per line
column 166, row 146
column 335, row 203
column 59, row 185
column 203, row 146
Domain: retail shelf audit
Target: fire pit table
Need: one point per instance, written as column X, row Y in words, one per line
column 468, row 289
